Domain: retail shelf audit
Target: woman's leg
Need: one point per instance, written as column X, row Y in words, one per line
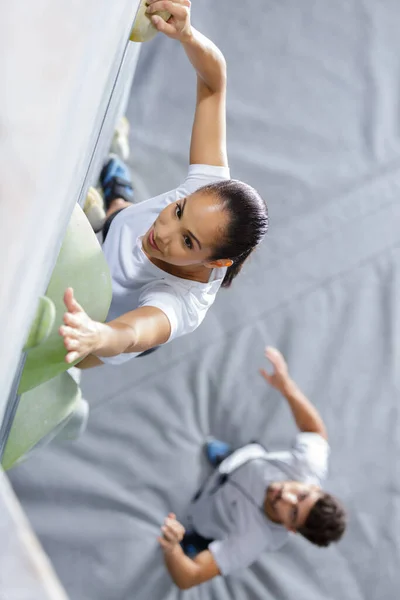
column 115, row 180
column 217, row 451
column 117, row 205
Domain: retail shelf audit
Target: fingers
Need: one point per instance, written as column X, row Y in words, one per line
column 80, row 333
column 68, row 332
column 71, row 337
column 172, row 530
column 162, row 26
column 179, row 11
column 186, row 3
column 71, row 343
column 172, row 533
column 72, row 357
column 266, row 375
column 276, row 358
column 272, row 353
column 70, row 302
column 169, row 534
column 163, row 543
column 176, row 9
column 71, row 319
column 72, row 323
column 167, row 546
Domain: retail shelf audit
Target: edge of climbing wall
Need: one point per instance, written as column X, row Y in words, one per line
column 66, row 68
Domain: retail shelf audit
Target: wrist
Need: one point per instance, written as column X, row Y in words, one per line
column 287, row 387
column 173, row 549
column 100, row 337
column 187, row 37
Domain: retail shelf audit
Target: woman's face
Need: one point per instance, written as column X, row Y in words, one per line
column 187, row 231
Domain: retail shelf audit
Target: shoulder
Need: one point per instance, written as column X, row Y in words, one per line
column 308, row 443
column 200, row 175
column 184, row 302
column 195, row 296
column 311, row 452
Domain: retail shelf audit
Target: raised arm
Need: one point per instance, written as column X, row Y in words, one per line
column 208, row 143
column 305, row 414
column 135, row 331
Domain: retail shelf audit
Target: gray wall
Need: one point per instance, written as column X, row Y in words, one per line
column 58, row 67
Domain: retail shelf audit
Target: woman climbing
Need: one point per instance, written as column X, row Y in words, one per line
column 169, row 256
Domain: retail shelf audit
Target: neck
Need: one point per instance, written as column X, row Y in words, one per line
column 198, row 273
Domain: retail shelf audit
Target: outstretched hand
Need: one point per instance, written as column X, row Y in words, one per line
column 79, row 331
column 172, row 533
column 280, row 375
column 178, row 26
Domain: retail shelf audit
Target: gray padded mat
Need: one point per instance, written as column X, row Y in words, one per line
column 313, row 123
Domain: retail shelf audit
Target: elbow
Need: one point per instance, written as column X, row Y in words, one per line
column 183, row 581
column 223, row 65
column 129, row 338
column 324, row 433
column 223, row 71
column 320, row 430
column 184, row 585
column 186, row 580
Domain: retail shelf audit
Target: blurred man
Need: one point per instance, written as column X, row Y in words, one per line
column 254, row 498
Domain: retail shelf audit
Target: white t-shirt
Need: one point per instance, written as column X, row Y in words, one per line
column 136, row 281
column 231, row 513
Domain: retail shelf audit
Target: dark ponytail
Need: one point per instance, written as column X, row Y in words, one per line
column 247, row 225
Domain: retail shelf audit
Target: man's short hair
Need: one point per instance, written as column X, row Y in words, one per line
column 326, row 521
